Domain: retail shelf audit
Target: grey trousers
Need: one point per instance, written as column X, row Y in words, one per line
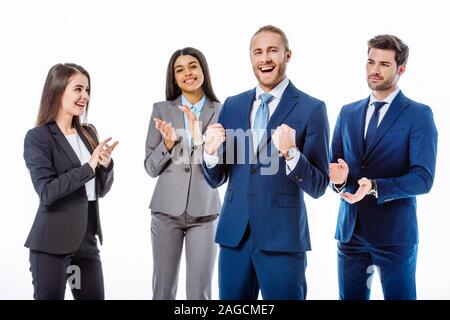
column 168, row 235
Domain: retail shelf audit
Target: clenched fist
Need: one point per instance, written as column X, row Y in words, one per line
column 283, row 138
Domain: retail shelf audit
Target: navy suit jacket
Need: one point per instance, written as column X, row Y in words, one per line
column 58, row 178
column 258, row 194
column 402, row 161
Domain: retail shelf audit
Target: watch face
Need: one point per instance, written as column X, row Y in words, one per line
column 292, row 152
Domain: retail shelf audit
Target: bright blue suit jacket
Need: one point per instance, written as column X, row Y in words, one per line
column 273, row 204
column 402, row 161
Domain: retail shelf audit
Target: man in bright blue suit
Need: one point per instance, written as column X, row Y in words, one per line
column 271, row 145
column 383, row 155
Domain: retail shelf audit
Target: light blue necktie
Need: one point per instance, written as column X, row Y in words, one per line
column 261, row 119
column 373, row 124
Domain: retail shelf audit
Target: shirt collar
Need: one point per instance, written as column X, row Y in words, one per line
column 196, row 107
column 388, row 99
column 277, row 92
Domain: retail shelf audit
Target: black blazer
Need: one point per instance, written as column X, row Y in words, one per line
column 58, row 178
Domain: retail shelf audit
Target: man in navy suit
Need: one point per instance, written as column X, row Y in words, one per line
column 383, row 154
column 271, row 145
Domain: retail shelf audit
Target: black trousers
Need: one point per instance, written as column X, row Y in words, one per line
column 82, row 270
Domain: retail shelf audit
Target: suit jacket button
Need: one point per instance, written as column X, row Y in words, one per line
column 253, row 170
column 187, row 169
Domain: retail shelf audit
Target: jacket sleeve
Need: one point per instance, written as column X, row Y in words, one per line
column 49, row 186
column 104, row 176
column 422, row 162
column 157, row 157
column 311, row 171
column 218, row 175
column 337, row 150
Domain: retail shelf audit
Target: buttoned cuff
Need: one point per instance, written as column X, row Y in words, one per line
column 210, row 159
column 291, row 164
column 339, row 187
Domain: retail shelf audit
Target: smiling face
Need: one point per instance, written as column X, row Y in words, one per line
column 269, row 58
column 189, row 74
column 382, row 70
column 75, row 98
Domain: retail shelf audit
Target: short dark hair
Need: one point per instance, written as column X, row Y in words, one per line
column 172, row 89
column 270, row 28
column 390, row 42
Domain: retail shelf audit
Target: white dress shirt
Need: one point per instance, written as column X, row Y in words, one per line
column 83, row 155
column 383, row 109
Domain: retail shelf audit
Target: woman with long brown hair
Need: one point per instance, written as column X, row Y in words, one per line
column 184, row 207
column 70, row 170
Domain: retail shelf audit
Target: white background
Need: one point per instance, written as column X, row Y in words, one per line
column 126, row 45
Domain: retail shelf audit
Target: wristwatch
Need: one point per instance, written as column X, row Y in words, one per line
column 374, row 190
column 292, row 153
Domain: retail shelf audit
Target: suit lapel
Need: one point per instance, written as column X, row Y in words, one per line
column 178, row 119
column 177, row 115
column 288, row 101
column 359, row 125
column 85, row 140
column 246, row 108
column 206, row 114
column 395, row 109
column 65, row 145
column 245, row 105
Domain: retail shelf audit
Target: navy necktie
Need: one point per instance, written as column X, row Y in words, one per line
column 261, row 119
column 373, row 124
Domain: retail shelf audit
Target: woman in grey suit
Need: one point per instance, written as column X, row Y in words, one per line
column 184, row 208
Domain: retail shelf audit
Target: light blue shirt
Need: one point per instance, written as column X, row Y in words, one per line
column 196, row 109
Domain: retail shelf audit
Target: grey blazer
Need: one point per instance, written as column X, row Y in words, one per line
column 181, row 186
